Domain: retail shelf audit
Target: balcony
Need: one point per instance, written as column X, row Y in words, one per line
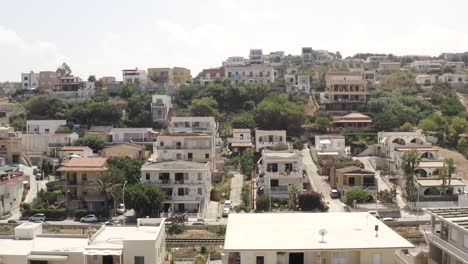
column 55, row 145
column 158, row 104
column 184, row 198
column 284, row 174
column 446, row 246
column 184, row 147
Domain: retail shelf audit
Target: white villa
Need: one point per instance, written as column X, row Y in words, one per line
column 268, row 138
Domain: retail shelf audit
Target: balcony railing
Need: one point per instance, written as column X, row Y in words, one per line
column 185, row 147
column 184, row 198
column 446, row 246
column 168, row 182
column 283, row 174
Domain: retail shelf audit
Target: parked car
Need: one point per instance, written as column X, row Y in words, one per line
column 89, row 219
column 226, row 212
column 375, row 214
column 37, row 218
column 111, row 223
column 121, row 209
column 199, row 222
column 334, row 193
column 388, row 219
column 227, row 204
column 13, row 221
column 39, row 176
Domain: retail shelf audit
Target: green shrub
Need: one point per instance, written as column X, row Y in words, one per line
column 359, row 195
column 51, row 214
column 175, row 228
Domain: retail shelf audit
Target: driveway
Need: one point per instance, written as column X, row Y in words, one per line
column 236, row 189
column 319, row 183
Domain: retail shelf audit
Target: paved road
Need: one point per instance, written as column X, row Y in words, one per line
column 236, row 189
column 319, row 183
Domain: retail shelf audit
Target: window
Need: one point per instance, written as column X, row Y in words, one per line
column 190, row 156
column 465, row 241
column 207, row 156
column 139, row 260
column 147, row 176
column 376, row 259
column 453, row 234
column 46, row 131
column 260, row 260
column 178, row 156
column 199, row 176
column 199, row 191
column 161, row 143
column 84, row 176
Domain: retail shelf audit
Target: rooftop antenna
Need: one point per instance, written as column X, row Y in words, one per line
column 323, row 232
column 376, row 230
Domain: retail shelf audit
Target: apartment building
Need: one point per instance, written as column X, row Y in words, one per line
column 160, row 107
column 250, row 74
column 352, row 122
column 78, row 175
column 106, row 81
column 307, row 54
column 182, row 76
column 134, row 76
column 193, row 124
column 144, row 243
column 275, row 58
column 389, row 66
column 11, row 146
column 209, row 76
column 256, row 57
column 68, row 152
column 170, row 76
column 235, row 61
column 448, row 235
column 297, row 83
column 197, row 147
column 279, row 170
column 427, row 65
column 48, row 80
column 376, row 59
column 132, row 151
column 144, row 136
column 331, row 147
column 241, row 140
column 268, row 138
column 45, row 137
column 351, row 238
column 29, row 80
column 12, row 186
column 352, row 177
column 72, row 89
column 187, row 184
column 345, row 92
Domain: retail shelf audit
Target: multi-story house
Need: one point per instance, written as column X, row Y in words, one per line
column 389, row 66
column 132, row 151
column 160, row 107
column 144, row 136
column 143, row 243
column 337, row 238
column 30, row 80
column 274, row 58
column 352, row 177
column 181, row 75
column 268, row 138
column 352, row 122
column 77, row 175
column 209, row 76
column 11, row 146
column 11, row 188
column 48, row 80
column 448, row 235
column 68, row 152
column 256, row 56
column 106, row 81
column 278, row 170
column 250, row 74
column 307, row 54
column 331, row 147
column 197, row 147
column 376, row 59
column 241, row 140
column 456, row 65
column 45, row 137
column 297, row 83
column 169, row 76
column 134, row 76
column 424, row 66
column 186, row 184
column 235, row 61
column 345, row 92
column 72, row 89
column 193, row 124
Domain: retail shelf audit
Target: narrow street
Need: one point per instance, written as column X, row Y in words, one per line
column 236, row 189
column 319, row 183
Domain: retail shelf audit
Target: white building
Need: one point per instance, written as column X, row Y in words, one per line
column 241, row 139
column 145, row 136
column 256, row 56
column 268, row 138
column 448, row 235
column 69, row 152
column 195, row 147
column 250, row 74
column 43, row 126
column 160, row 107
column 331, row 146
column 187, row 184
column 351, row 238
column 423, row 66
column 307, row 54
column 278, row 170
column 134, row 76
column 193, row 124
column 30, row 80
column 235, row 61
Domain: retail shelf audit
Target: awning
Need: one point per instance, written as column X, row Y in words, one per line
column 103, row 252
column 48, row 258
column 325, row 141
column 327, row 153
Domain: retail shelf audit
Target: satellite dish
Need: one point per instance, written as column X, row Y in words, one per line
column 323, row 232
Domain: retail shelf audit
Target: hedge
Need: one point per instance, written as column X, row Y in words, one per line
column 51, row 214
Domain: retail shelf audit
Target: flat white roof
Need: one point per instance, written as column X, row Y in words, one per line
column 52, row 245
column 112, row 237
column 300, row 231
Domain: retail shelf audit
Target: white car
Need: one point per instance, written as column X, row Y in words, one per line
column 37, row 218
column 121, row 209
column 89, row 219
column 227, row 204
column 375, row 214
column 388, row 219
column 226, row 212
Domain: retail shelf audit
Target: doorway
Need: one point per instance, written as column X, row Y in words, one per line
column 296, row 258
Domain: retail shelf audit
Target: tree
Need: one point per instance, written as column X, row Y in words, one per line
column 451, row 168
column 105, row 184
column 452, row 106
column 309, row 201
column 92, row 78
column 63, row 71
column 406, row 127
column 127, row 90
column 276, row 112
column 145, row 198
column 44, row 107
column 427, row 125
column 94, row 142
column 323, row 122
column 293, row 190
column 18, row 121
column 262, row 203
column 244, row 120
column 205, row 106
column 185, row 95
column 95, row 113
column 139, row 111
column 359, row 195
column 246, row 163
column 130, row 168
column 409, row 161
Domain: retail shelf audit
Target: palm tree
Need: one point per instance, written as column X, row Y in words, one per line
column 105, row 184
column 410, row 160
column 293, row 191
column 443, row 177
column 451, row 168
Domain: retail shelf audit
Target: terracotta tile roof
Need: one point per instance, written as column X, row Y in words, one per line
column 353, row 117
column 85, row 164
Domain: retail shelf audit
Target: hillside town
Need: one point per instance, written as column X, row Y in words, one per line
column 268, row 158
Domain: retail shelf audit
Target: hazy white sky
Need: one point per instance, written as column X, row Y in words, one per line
column 102, row 37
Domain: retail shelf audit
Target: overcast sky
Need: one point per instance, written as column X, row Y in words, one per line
column 102, row 37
